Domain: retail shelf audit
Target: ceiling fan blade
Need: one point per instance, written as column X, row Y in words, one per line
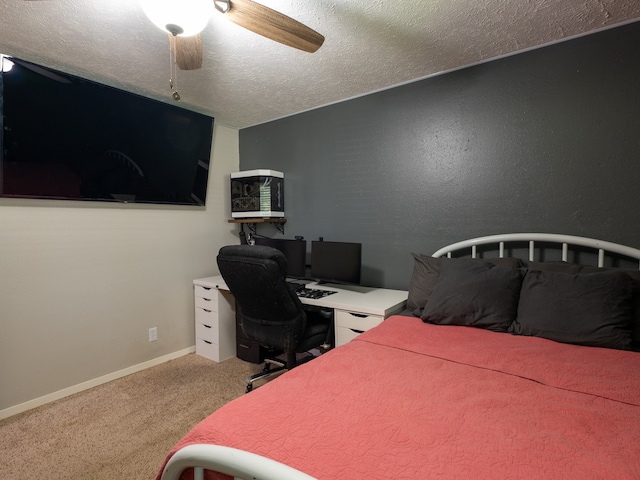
column 273, row 25
column 187, row 51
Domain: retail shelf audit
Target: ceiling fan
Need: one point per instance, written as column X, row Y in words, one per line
column 185, row 19
column 187, row 44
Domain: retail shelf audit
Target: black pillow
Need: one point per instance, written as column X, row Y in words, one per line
column 563, row 267
column 593, row 309
column 475, row 293
column 426, row 272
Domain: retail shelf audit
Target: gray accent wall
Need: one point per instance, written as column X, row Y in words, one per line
column 546, row 141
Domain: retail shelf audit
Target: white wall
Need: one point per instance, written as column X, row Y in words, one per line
column 82, row 283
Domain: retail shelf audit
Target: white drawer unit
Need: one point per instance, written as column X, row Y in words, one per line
column 357, row 321
column 351, row 324
column 207, row 329
column 207, row 304
column 356, row 310
column 207, row 349
column 214, row 320
column 205, row 292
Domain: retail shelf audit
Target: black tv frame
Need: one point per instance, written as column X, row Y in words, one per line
column 63, row 137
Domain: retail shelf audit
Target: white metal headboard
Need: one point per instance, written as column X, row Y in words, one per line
column 565, row 240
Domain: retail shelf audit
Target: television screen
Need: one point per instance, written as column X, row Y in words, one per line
column 64, row 137
column 294, row 250
column 336, row 262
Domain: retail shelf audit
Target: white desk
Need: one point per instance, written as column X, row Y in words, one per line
column 356, row 309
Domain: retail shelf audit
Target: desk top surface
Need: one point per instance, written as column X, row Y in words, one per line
column 368, row 300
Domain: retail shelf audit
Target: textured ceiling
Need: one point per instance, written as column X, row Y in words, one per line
column 246, row 79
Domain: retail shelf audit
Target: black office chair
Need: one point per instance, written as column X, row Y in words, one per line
column 270, row 311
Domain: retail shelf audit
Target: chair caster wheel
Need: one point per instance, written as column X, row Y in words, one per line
column 249, row 388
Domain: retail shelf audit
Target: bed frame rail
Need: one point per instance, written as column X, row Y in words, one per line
column 231, row 461
column 566, row 241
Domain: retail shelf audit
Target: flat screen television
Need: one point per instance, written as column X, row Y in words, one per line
column 336, row 262
column 294, row 250
column 64, row 137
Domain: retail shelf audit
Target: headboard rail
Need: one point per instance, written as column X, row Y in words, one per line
column 566, row 241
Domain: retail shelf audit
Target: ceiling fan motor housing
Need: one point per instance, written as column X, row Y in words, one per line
column 174, row 29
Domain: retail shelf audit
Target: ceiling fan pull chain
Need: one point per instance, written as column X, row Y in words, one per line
column 173, row 81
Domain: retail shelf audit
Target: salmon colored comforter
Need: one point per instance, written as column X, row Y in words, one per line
column 409, row 400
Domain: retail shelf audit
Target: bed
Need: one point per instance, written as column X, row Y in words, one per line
column 501, row 367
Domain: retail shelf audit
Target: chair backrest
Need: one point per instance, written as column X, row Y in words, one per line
column 270, row 312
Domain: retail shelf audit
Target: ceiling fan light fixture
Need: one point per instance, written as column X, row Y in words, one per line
column 178, row 17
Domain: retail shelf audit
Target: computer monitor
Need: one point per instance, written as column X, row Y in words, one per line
column 294, row 250
column 336, row 262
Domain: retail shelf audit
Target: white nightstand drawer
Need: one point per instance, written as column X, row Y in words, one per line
column 207, row 304
column 205, row 292
column 207, row 349
column 345, row 335
column 207, row 331
column 357, row 321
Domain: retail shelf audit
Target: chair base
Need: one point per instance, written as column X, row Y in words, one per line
column 280, row 366
column 266, row 371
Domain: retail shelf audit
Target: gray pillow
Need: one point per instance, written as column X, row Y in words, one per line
column 474, row 293
column 426, row 272
column 563, row 267
column 594, row 309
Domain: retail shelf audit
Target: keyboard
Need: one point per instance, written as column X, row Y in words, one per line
column 313, row 293
column 296, row 286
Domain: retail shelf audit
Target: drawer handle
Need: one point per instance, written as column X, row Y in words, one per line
column 356, row 331
column 208, row 311
column 206, row 326
column 244, row 346
column 206, row 288
column 207, row 341
column 206, row 299
column 359, row 315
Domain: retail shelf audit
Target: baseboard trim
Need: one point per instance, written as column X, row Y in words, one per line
column 37, row 402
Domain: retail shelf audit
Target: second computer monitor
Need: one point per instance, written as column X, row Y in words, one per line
column 336, row 262
column 294, row 250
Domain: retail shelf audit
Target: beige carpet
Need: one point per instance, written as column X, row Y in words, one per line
column 122, row 429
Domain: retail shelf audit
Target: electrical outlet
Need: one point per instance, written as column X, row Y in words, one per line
column 153, row 334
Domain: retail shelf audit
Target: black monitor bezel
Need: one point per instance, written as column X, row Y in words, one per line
column 295, row 252
column 349, row 253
